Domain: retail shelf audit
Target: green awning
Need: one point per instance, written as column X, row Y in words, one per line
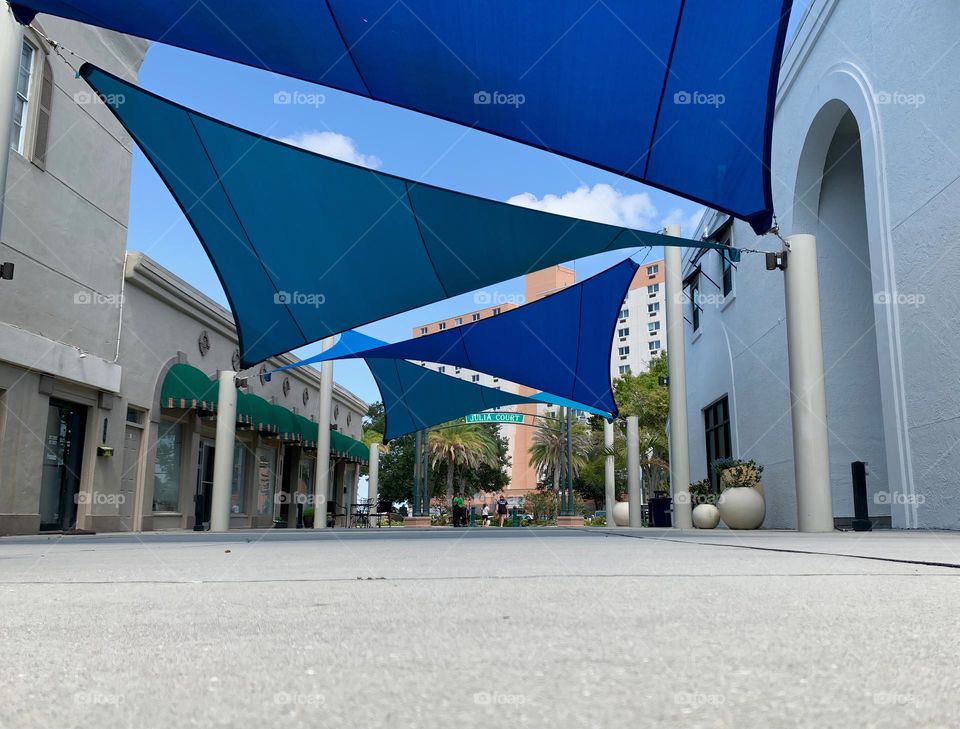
column 287, row 424
column 309, row 430
column 186, row 388
column 255, row 413
column 344, row 446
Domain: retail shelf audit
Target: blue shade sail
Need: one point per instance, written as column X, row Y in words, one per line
column 415, row 397
column 678, row 94
column 292, row 234
column 560, row 344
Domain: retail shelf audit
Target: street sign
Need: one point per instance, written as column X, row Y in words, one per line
column 495, row 418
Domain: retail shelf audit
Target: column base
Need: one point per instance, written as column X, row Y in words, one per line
column 569, row 521
column 416, row 522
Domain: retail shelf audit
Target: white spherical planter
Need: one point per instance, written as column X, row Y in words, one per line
column 706, row 516
column 742, row 508
column 621, row 514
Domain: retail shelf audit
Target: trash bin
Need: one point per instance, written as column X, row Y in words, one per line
column 660, row 509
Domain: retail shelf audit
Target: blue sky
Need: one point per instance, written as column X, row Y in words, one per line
column 390, row 139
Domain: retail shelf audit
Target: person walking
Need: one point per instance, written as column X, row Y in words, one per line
column 502, row 509
column 458, row 511
column 485, row 513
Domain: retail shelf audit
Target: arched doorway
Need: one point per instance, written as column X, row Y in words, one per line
column 830, row 202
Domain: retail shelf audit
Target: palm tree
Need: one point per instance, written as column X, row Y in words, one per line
column 548, row 452
column 461, row 446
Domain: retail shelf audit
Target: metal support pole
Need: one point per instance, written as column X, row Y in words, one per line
column 223, row 455
column 808, row 401
column 417, row 468
column 373, row 481
column 676, row 366
column 609, row 474
column 633, row 471
column 569, row 511
column 425, row 492
column 322, row 489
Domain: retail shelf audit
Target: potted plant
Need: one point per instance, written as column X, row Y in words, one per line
column 308, row 514
column 741, row 501
column 705, row 513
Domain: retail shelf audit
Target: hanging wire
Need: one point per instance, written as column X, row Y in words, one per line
column 59, row 49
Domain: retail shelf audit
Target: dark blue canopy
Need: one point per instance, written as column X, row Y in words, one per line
column 678, row 94
column 291, row 233
column 415, row 397
column 560, row 344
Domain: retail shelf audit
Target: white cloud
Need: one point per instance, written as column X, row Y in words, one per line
column 600, row 203
column 604, row 204
column 333, row 145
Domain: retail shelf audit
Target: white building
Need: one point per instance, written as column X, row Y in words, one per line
column 866, row 157
column 641, row 333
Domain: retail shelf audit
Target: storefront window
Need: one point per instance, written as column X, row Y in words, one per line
column 305, row 481
column 166, row 469
column 238, row 490
column 266, row 480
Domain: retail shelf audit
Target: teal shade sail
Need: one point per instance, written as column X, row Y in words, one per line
column 292, row 234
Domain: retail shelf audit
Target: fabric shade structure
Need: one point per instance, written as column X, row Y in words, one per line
column 559, row 344
column 289, row 231
column 347, row 448
column 257, row 413
column 288, row 427
column 187, row 388
column 309, row 431
column 415, row 397
column 678, row 94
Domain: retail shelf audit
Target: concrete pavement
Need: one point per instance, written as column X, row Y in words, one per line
column 486, row 627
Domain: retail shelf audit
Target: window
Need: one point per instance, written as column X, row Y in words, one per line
column 166, row 468
column 653, row 326
column 727, row 273
column 238, row 485
column 623, row 352
column 266, row 480
column 441, row 369
column 716, row 428
column 475, row 317
column 134, row 416
column 21, row 105
column 653, row 270
column 653, row 289
column 424, row 330
column 496, row 311
column 654, row 345
column 653, row 309
column 623, row 314
column 474, row 378
column 695, row 301
column 442, row 326
column 623, row 332
column 458, row 321
column 624, row 369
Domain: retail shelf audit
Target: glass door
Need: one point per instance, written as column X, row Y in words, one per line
column 62, row 463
